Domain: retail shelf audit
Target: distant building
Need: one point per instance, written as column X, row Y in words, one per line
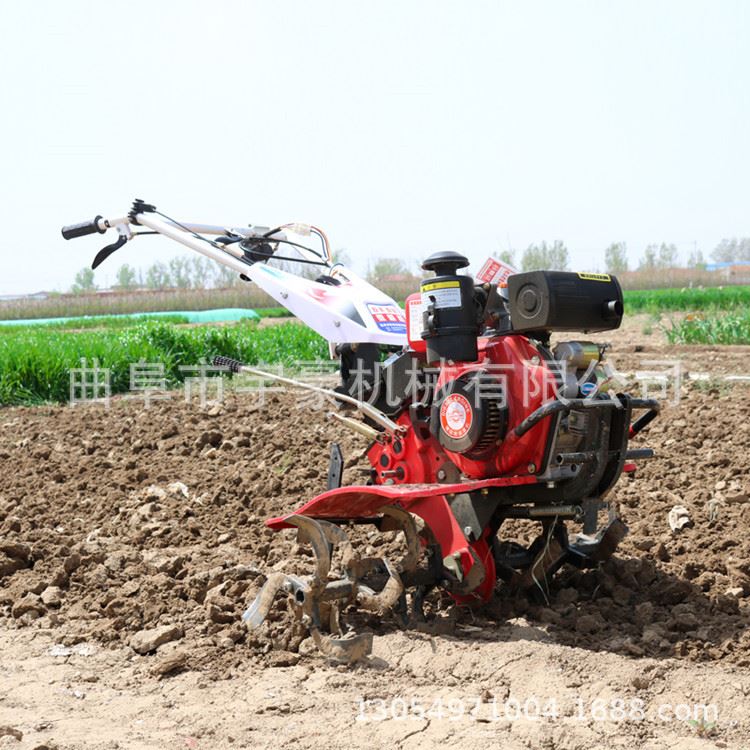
column 15, row 297
column 731, row 270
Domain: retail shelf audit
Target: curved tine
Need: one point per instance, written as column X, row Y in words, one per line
column 317, row 538
column 254, row 615
column 338, row 537
column 346, row 650
column 388, row 597
column 411, row 537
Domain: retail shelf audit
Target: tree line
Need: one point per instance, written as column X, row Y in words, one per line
column 195, row 272
column 181, row 272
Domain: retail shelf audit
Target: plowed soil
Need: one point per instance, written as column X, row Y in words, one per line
column 122, row 520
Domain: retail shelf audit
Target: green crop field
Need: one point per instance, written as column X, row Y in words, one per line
column 715, row 315
column 35, row 362
column 712, row 328
column 687, row 299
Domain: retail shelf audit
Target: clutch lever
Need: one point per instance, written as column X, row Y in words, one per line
column 123, row 230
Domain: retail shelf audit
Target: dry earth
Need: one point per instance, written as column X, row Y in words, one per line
column 115, row 522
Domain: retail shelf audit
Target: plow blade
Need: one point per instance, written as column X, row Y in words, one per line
column 319, row 597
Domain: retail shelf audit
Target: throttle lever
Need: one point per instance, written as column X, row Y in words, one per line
column 105, row 252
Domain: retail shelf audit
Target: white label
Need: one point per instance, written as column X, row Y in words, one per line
column 444, row 297
column 415, row 319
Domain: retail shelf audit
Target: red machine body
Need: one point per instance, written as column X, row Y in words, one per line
column 500, row 426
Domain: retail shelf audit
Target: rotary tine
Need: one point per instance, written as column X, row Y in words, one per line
column 348, row 649
column 337, row 537
column 310, row 530
column 404, row 521
column 257, row 612
column 302, row 592
column 390, row 594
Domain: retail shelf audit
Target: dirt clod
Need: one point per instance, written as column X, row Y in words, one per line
column 146, row 641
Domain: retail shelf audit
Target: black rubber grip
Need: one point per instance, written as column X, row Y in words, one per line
column 84, row 228
column 232, row 364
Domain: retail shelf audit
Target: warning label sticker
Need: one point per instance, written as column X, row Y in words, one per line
column 388, row 318
column 456, row 416
column 442, row 294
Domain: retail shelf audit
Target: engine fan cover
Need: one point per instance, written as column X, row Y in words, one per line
column 470, row 415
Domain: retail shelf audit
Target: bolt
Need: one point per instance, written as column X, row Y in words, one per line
column 550, row 485
column 532, row 468
column 441, row 474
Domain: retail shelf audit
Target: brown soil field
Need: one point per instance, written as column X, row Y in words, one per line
column 122, row 520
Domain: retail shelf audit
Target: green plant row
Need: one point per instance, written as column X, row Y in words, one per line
column 729, row 328
column 687, row 299
column 35, row 363
column 274, row 312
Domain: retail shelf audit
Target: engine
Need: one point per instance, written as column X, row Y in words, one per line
column 488, row 370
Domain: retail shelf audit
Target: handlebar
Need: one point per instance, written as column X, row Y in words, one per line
column 85, row 227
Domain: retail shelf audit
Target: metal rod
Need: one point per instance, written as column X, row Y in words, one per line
column 367, row 409
column 363, row 429
column 575, row 458
column 639, row 454
column 543, row 511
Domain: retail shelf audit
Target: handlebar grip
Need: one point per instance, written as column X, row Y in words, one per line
column 85, row 227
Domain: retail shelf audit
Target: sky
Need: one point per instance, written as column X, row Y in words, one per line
column 400, row 127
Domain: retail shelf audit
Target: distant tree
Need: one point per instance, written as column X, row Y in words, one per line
column 668, row 255
column 157, row 277
column 179, row 270
column 126, row 277
column 546, row 257
column 650, row 259
column 506, row 256
column 225, row 278
column 84, row 281
column 659, row 256
column 340, row 255
column 385, row 267
column 202, row 272
column 696, row 259
column 616, row 258
column 732, row 250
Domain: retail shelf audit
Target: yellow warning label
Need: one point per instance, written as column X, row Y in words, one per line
column 440, row 285
column 595, row 276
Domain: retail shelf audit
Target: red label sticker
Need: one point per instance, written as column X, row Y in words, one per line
column 456, row 416
column 389, row 318
column 495, row 272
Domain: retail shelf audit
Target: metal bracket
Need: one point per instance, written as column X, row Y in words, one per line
column 335, row 467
